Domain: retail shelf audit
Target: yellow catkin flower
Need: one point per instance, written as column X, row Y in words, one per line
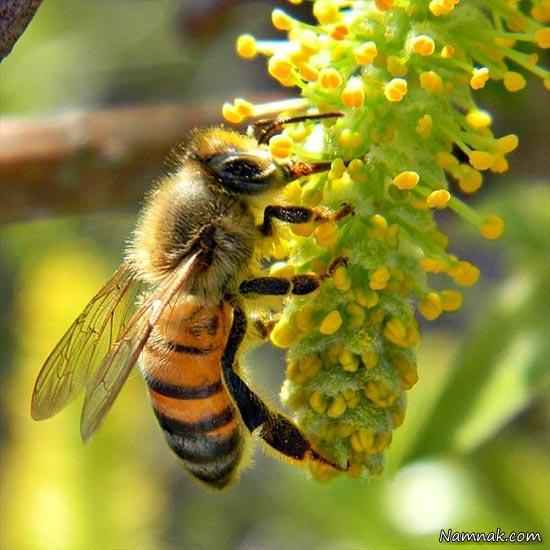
column 353, row 94
column 406, row 180
column 542, row 38
column 422, row 45
column 479, row 78
column 451, row 300
column 280, row 146
column 430, row 306
column 492, row 227
column 395, row 90
column 331, row 323
column 366, row 53
column 246, row 46
column 479, row 119
column 330, row 78
column 514, row 82
column 281, row 20
column 438, row 199
column 431, row 82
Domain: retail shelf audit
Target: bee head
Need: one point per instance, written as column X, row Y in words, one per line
column 237, row 161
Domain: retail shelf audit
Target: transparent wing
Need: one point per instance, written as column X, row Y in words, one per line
column 74, row 359
column 106, row 383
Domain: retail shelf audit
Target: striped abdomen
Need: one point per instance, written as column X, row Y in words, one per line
column 182, row 366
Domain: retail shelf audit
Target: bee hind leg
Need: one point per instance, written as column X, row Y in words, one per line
column 274, row 428
column 299, row 285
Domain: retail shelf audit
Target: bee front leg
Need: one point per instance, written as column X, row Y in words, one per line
column 275, row 429
column 300, row 214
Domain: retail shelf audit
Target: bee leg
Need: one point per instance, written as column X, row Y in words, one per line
column 299, row 285
column 274, row 428
column 300, row 214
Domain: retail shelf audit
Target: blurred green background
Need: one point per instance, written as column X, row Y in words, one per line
column 474, row 452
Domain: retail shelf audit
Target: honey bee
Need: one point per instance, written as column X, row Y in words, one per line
column 191, row 251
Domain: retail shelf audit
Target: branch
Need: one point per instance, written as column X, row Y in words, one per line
column 83, row 162
column 15, row 15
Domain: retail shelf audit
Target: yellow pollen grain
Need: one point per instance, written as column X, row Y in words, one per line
column 366, row 53
column 431, row 82
column 341, row 279
column 500, row 166
column 395, row 90
column 326, row 234
column 446, row 160
column 464, row 273
column 317, row 402
column 384, row 5
column 479, row 78
column 330, row 78
column 231, row 113
column 279, row 67
column 370, row 358
column 507, row 144
column 281, row 21
column 396, row 66
column 246, row 46
column 326, row 11
column 244, row 107
column 430, row 306
column 367, row 298
column 424, row 126
column 280, row 146
column 448, row 52
column 479, row 119
column 451, row 300
column 337, row 407
column 423, row 45
column 331, row 323
column 470, row 180
column 379, row 278
column 542, row 38
column 308, row 72
column 353, row 94
column 514, row 82
column 481, row 160
column 406, row 180
column 439, row 198
column 492, row 227
column 283, row 335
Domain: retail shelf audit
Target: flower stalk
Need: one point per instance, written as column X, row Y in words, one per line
column 403, row 73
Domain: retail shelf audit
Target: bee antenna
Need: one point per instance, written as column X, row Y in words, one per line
column 264, row 130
